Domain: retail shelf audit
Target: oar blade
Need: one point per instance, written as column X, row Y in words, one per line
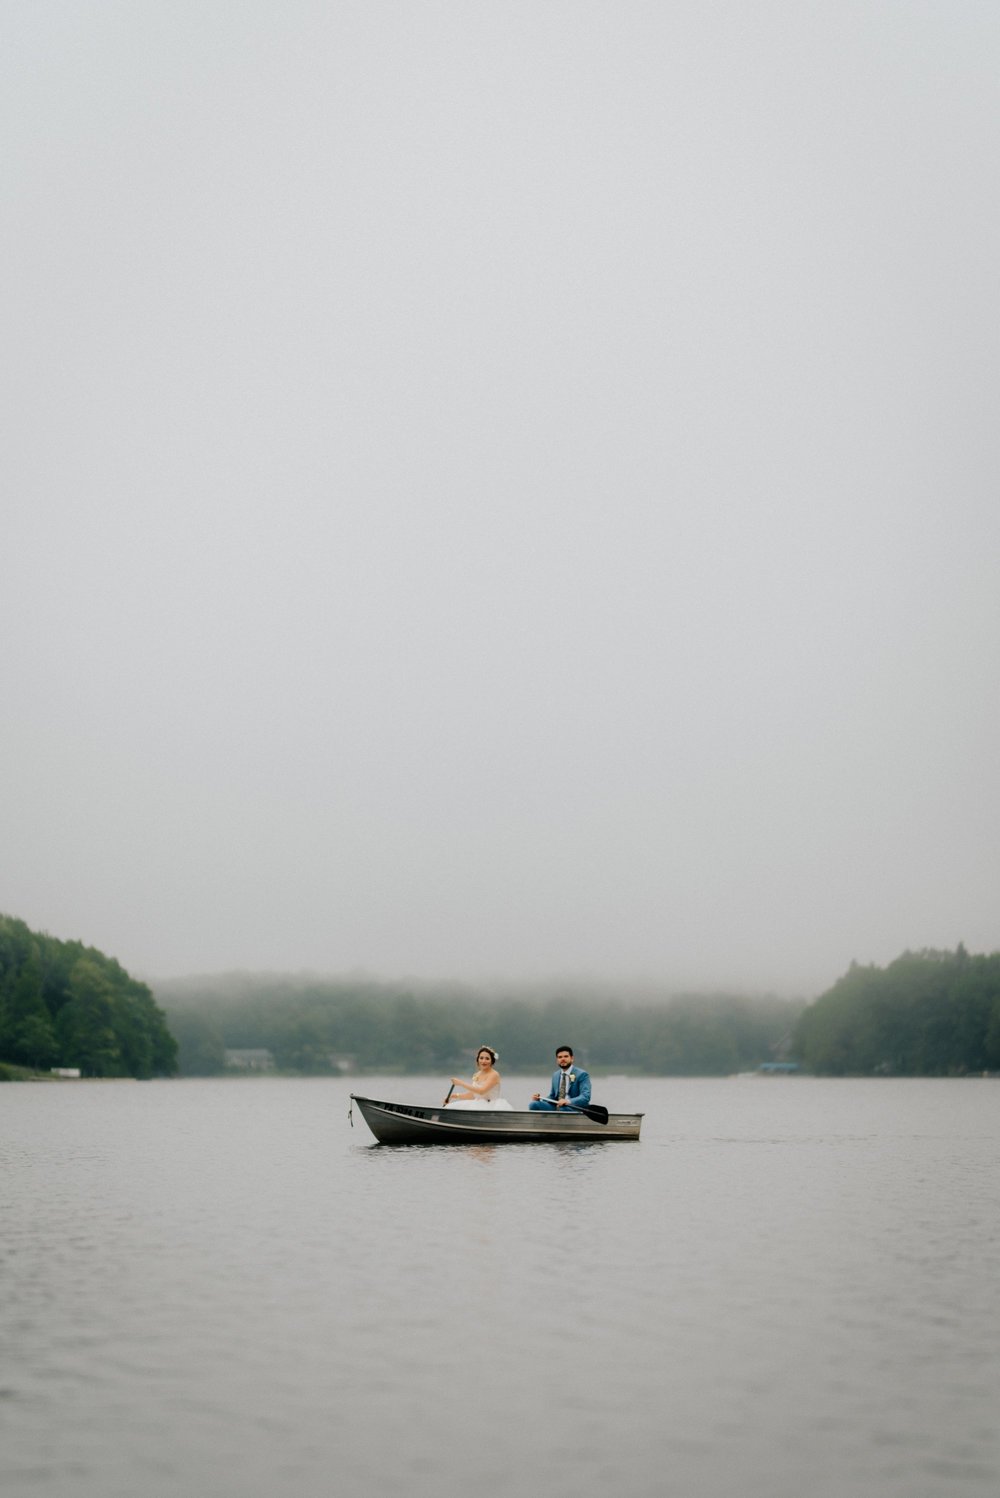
column 593, row 1111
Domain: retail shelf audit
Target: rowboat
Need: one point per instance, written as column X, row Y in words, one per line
column 408, row 1123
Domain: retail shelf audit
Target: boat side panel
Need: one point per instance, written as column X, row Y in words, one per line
column 400, row 1123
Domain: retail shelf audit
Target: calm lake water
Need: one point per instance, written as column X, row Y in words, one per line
column 789, row 1287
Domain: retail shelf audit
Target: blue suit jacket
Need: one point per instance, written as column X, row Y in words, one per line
column 578, row 1090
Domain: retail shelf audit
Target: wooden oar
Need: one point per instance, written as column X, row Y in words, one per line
column 593, row 1111
column 451, row 1089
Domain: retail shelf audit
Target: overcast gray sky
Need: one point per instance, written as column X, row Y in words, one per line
column 502, row 489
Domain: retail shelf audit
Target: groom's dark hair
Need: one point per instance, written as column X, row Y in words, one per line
column 564, row 1048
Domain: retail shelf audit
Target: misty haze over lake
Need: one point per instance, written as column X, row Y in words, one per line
column 502, row 492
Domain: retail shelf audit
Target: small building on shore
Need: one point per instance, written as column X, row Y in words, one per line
column 253, row 1058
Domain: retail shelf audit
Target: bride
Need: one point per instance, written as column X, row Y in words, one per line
column 484, row 1089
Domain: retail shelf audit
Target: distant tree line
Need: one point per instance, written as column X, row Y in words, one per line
column 928, row 1014
column 319, row 1026
column 64, row 1004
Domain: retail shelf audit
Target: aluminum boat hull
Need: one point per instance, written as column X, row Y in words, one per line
column 407, row 1123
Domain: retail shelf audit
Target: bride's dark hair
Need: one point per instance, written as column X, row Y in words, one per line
column 493, row 1055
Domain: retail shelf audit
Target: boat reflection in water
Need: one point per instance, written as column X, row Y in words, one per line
column 408, row 1123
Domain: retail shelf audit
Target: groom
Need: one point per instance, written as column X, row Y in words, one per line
column 570, row 1085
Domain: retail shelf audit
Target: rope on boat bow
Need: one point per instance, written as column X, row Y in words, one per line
column 350, row 1111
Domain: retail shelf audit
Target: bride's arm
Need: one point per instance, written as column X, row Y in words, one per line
column 477, row 1089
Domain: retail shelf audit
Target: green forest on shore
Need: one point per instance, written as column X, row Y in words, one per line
column 63, row 1004
column 927, row 1014
column 66, row 1004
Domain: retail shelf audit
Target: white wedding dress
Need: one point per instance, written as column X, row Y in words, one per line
column 489, row 1099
